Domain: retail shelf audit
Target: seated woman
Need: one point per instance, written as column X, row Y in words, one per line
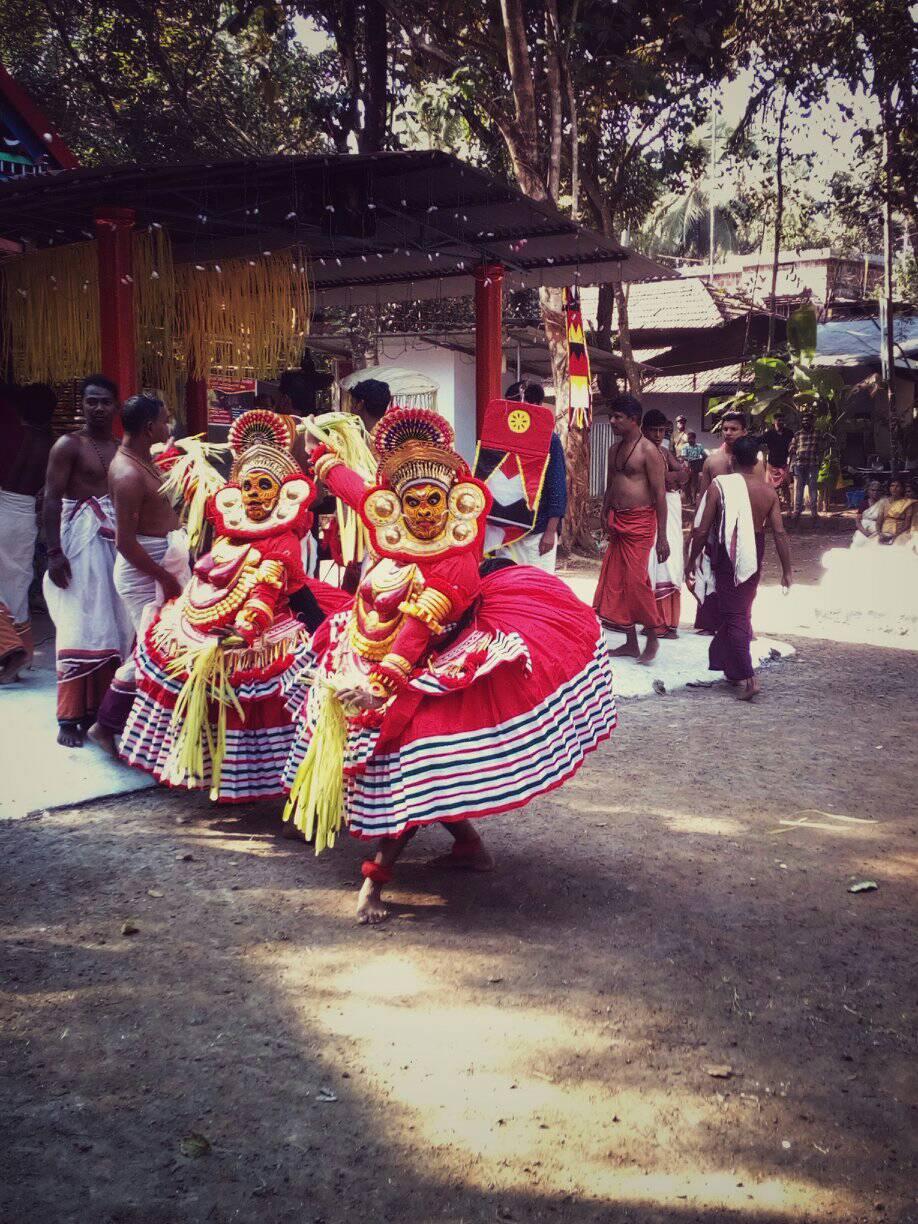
column 215, row 666
column 898, row 514
column 441, row 695
column 869, row 518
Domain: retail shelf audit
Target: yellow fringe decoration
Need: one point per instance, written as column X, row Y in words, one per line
column 207, row 682
column 50, row 314
column 316, row 802
column 191, row 482
column 154, row 314
column 345, row 434
column 244, row 314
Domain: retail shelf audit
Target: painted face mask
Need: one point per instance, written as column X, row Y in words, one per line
column 260, row 491
column 425, row 510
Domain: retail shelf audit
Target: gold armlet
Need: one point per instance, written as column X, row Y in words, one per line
column 271, row 573
column 324, row 464
column 430, row 607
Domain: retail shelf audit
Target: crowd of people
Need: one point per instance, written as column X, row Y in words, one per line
column 428, row 684
column 643, row 569
column 432, row 686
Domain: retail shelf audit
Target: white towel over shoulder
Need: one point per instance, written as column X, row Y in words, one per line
column 736, row 530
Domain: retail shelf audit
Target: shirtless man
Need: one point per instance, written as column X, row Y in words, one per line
column 733, row 425
column 152, row 562
column 635, row 512
column 22, row 485
column 736, row 571
column 92, row 629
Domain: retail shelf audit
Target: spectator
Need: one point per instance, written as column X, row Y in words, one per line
column 694, row 455
column 805, row 454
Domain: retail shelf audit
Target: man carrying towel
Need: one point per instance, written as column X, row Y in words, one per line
column 731, row 531
column 152, row 562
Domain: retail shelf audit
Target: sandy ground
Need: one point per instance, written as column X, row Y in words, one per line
column 665, row 1006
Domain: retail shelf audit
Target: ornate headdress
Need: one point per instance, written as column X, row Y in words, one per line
column 262, row 441
column 415, row 446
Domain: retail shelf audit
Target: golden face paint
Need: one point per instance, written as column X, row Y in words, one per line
column 260, row 491
column 425, row 510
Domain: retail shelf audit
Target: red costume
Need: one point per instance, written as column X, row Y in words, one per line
column 216, row 665
column 492, row 690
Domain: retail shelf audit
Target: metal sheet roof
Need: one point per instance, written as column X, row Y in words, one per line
column 376, row 228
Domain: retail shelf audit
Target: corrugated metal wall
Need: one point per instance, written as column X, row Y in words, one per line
column 600, row 441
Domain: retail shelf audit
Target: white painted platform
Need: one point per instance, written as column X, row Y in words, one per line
column 680, row 662
column 37, row 772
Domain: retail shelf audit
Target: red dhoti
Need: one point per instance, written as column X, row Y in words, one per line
column 624, row 595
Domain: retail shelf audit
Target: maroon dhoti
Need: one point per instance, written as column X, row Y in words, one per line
column 624, row 595
column 729, row 651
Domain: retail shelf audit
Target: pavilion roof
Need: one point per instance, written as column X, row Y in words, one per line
column 375, row 227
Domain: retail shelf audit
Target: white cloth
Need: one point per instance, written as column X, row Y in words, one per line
column 871, row 521
column 733, row 532
column 18, row 535
column 526, row 552
column 666, row 576
column 91, row 623
column 142, row 595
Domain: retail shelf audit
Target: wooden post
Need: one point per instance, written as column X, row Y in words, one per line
column 114, row 239
column 489, row 280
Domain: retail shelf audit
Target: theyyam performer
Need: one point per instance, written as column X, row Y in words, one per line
column 440, row 696
column 215, row 666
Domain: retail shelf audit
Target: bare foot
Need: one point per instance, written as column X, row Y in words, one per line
column 481, row 860
column 370, row 909
column 13, row 666
column 70, row 735
column 102, row 739
column 626, row 651
column 651, row 648
column 748, row 689
column 671, row 635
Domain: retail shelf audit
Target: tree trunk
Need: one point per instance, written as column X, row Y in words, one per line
column 779, row 220
column 632, row 373
column 376, row 93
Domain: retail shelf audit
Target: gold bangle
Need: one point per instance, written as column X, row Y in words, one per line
column 324, row 464
column 397, row 663
column 379, row 685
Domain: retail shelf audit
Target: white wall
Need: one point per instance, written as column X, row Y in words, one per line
column 454, row 374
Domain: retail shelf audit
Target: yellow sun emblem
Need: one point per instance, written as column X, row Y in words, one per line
column 519, row 420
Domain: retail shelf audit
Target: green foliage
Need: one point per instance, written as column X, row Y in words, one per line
column 793, row 385
column 124, row 80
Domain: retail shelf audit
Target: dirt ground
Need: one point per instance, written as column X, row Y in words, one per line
column 665, row 1007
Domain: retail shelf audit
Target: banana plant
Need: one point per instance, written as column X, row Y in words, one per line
column 792, row 384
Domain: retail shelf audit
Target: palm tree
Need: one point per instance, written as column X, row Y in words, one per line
column 680, row 225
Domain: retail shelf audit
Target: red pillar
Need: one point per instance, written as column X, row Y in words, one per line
column 196, row 406
column 489, row 280
column 114, row 234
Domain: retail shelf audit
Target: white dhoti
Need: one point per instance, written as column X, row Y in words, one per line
column 524, row 551
column 142, row 597
column 18, row 535
column 666, row 576
column 92, row 627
